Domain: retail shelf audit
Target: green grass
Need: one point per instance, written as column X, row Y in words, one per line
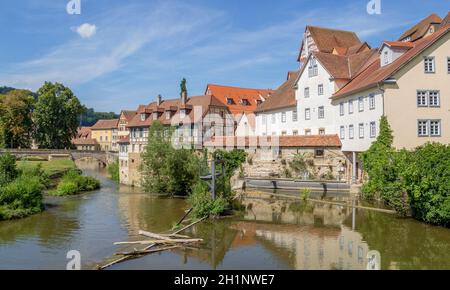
column 49, row 167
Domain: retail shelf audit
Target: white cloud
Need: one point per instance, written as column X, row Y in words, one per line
column 86, row 30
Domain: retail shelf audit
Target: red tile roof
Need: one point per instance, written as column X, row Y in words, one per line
column 105, row 124
column 446, row 20
column 420, row 29
column 312, row 141
column 283, row 97
column 374, row 73
column 224, row 93
column 174, row 106
column 128, row 115
column 405, row 44
column 84, row 137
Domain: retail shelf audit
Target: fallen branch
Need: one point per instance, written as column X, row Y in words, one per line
column 136, row 252
column 166, row 241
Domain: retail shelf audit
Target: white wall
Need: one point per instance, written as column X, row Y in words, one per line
column 366, row 117
column 278, row 127
column 244, row 127
column 315, row 101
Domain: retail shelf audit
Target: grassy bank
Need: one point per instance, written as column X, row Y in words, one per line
column 74, row 183
column 49, row 167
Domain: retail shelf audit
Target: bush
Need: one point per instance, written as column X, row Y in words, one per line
column 38, row 172
column 21, row 197
column 202, row 202
column 8, row 169
column 73, row 183
column 299, row 165
column 114, row 171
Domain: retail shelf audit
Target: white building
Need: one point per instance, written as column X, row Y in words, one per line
column 278, row 115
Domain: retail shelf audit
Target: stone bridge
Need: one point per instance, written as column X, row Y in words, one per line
column 102, row 156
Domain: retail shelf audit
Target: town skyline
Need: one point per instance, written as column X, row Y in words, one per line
column 230, row 51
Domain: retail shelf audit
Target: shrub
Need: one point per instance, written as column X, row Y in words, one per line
column 114, row 171
column 299, row 165
column 202, row 202
column 38, row 172
column 21, row 197
column 8, row 169
column 73, row 183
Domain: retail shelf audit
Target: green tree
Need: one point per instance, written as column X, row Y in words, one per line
column 15, row 119
column 56, row 116
column 8, row 169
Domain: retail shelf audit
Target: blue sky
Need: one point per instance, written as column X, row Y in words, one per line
column 130, row 51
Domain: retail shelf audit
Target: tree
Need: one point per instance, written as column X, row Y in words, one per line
column 183, row 87
column 15, row 119
column 56, row 116
column 8, row 169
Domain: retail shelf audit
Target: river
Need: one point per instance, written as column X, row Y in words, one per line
column 269, row 234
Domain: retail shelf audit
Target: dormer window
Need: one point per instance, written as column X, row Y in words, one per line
column 182, row 114
column 155, row 116
column 168, row 115
column 245, row 102
column 143, row 117
column 386, row 57
column 230, row 101
column 259, row 102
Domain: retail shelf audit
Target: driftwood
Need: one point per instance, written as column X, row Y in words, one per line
column 166, row 241
column 162, row 236
column 137, row 252
column 126, row 257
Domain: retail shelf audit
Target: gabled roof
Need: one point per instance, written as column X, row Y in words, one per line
column 128, row 115
column 283, row 97
column 400, row 44
column 420, row 29
column 326, row 39
column 84, row 137
column 374, row 73
column 105, row 124
column 174, row 106
column 224, row 93
column 446, row 20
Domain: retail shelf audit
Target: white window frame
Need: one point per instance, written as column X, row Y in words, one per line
column 342, row 132
column 307, row 93
column 350, row 107
column 351, row 132
column 361, row 130
column 320, row 89
column 373, row 129
column 341, row 109
column 361, row 104
column 307, row 114
column 294, row 116
column 371, row 102
column 431, row 128
column 429, row 64
column 423, row 128
column 283, row 117
column 448, row 65
column 264, row 119
column 434, row 100
column 274, row 118
column 422, row 98
column 321, row 112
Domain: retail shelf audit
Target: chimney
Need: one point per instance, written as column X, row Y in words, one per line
column 183, row 98
column 158, row 100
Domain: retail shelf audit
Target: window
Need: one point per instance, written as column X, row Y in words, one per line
column 321, row 131
column 321, row 113
column 274, row 133
column 351, row 132
column 422, row 100
column 306, row 92
column 283, row 117
column 429, row 64
column 434, row 99
column 142, row 117
column 308, row 114
column 435, row 128
column 320, row 90
column 295, row 132
column 342, row 132
column 307, row 132
column 140, row 148
column 350, row 107
column 101, row 138
column 361, row 131
column 182, row 114
column 422, row 128
column 448, row 65
column 230, row 101
column 283, row 133
column 294, row 116
column 318, row 153
column 245, row 102
column 361, row 104
column 273, row 118
column 373, row 130
column 264, row 119
column 258, row 102
column 386, row 57
column 167, row 115
column 372, row 102
column 313, row 69
column 341, row 109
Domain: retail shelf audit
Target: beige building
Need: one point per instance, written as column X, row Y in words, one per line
column 83, row 141
column 105, row 132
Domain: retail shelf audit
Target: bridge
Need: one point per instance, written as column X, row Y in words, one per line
column 102, row 156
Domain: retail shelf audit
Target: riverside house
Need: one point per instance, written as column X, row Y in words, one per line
column 83, row 141
column 195, row 119
column 105, row 132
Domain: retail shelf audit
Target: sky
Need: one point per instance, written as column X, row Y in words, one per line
column 118, row 54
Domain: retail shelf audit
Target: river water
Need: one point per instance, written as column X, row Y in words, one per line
column 268, row 234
